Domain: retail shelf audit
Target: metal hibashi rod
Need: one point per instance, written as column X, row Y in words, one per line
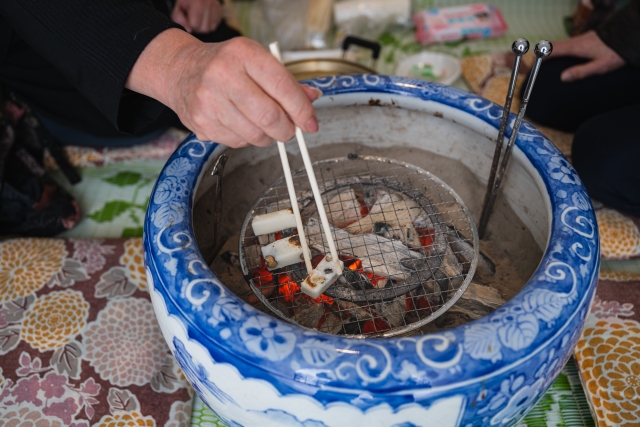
column 217, row 171
column 542, row 50
column 519, row 47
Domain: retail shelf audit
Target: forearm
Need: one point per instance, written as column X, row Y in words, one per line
column 233, row 92
column 157, row 70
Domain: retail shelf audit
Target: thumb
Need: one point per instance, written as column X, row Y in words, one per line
column 179, row 16
column 582, row 71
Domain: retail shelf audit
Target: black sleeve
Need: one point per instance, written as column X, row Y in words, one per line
column 94, row 44
column 621, row 32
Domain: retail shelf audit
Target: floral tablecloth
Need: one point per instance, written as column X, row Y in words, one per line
column 79, row 341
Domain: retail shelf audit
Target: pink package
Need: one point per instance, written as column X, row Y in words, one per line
column 473, row 21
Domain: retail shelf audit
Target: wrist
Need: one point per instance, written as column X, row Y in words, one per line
column 158, row 68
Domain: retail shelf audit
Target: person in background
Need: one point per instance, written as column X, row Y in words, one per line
column 591, row 86
column 120, row 72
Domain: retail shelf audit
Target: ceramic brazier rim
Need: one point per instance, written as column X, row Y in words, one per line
column 228, row 323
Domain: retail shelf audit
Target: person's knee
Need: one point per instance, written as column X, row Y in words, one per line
column 552, row 102
column 541, row 103
column 605, row 155
column 588, row 157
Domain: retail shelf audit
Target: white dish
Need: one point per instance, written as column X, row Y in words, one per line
column 432, row 66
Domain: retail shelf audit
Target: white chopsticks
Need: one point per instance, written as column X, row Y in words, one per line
column 275, row 51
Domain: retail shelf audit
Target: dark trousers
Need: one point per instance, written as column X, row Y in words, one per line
column 604, row 113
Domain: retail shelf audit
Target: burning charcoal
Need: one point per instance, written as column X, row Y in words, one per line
column 420, row 276
column 379, row 255
column 422, row 268
column 298, row 272
column 391, row 209
column 253, row 256
column 342, row 207
column 288, row 232
column 393, row 311
column 272, row 222
column 321, row 277
column 309, row 316
column 446, row 270
column 375, row 325
column 463, row 312
column 369, row 195
column 354, row 310
column 451, row 267
column 384, row 200
column 442, row 282
column 480, row 299
column 279, row 205
column 355, row 279
column 287, row 287
column 282, row 253
column 463, row 250
column 381, row 283
column 332, row 324
column 352, row 327
column 383, row 229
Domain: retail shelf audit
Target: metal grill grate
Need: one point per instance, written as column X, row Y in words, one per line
column 408, row 243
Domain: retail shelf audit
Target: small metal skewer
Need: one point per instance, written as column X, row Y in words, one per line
column 542, row 49
column 217, row 171
column 519, row 47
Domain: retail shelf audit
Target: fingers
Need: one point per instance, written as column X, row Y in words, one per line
column 201, row 16
column 216, row 97
column 194, row 15
column 224, row 136
column 241, row 121
column 563, row 47
column 580, row 72
column 280, row 85
column 179, row 16
column 585, row 45
column 264, row 113
column 205, row 20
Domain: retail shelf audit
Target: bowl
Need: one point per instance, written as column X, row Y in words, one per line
column 432, row 66
column 254, row 369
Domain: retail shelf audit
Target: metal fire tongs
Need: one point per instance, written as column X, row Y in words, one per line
column 542, row 49
column 304, row 152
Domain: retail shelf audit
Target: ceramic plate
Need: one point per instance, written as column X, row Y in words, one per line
column 432, row 66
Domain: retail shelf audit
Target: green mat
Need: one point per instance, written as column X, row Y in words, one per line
column 113, row 198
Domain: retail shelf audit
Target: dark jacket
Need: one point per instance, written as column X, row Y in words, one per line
column 69, row 60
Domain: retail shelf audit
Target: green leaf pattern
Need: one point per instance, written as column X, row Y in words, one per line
column 113, row 210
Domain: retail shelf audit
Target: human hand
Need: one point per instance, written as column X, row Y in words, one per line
column 200, row 16
column 234, row 92
column 602, row 58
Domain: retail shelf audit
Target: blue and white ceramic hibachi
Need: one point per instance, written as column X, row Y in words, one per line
column 256, row 370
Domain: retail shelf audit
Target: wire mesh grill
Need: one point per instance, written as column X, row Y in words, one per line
column 407, row 241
